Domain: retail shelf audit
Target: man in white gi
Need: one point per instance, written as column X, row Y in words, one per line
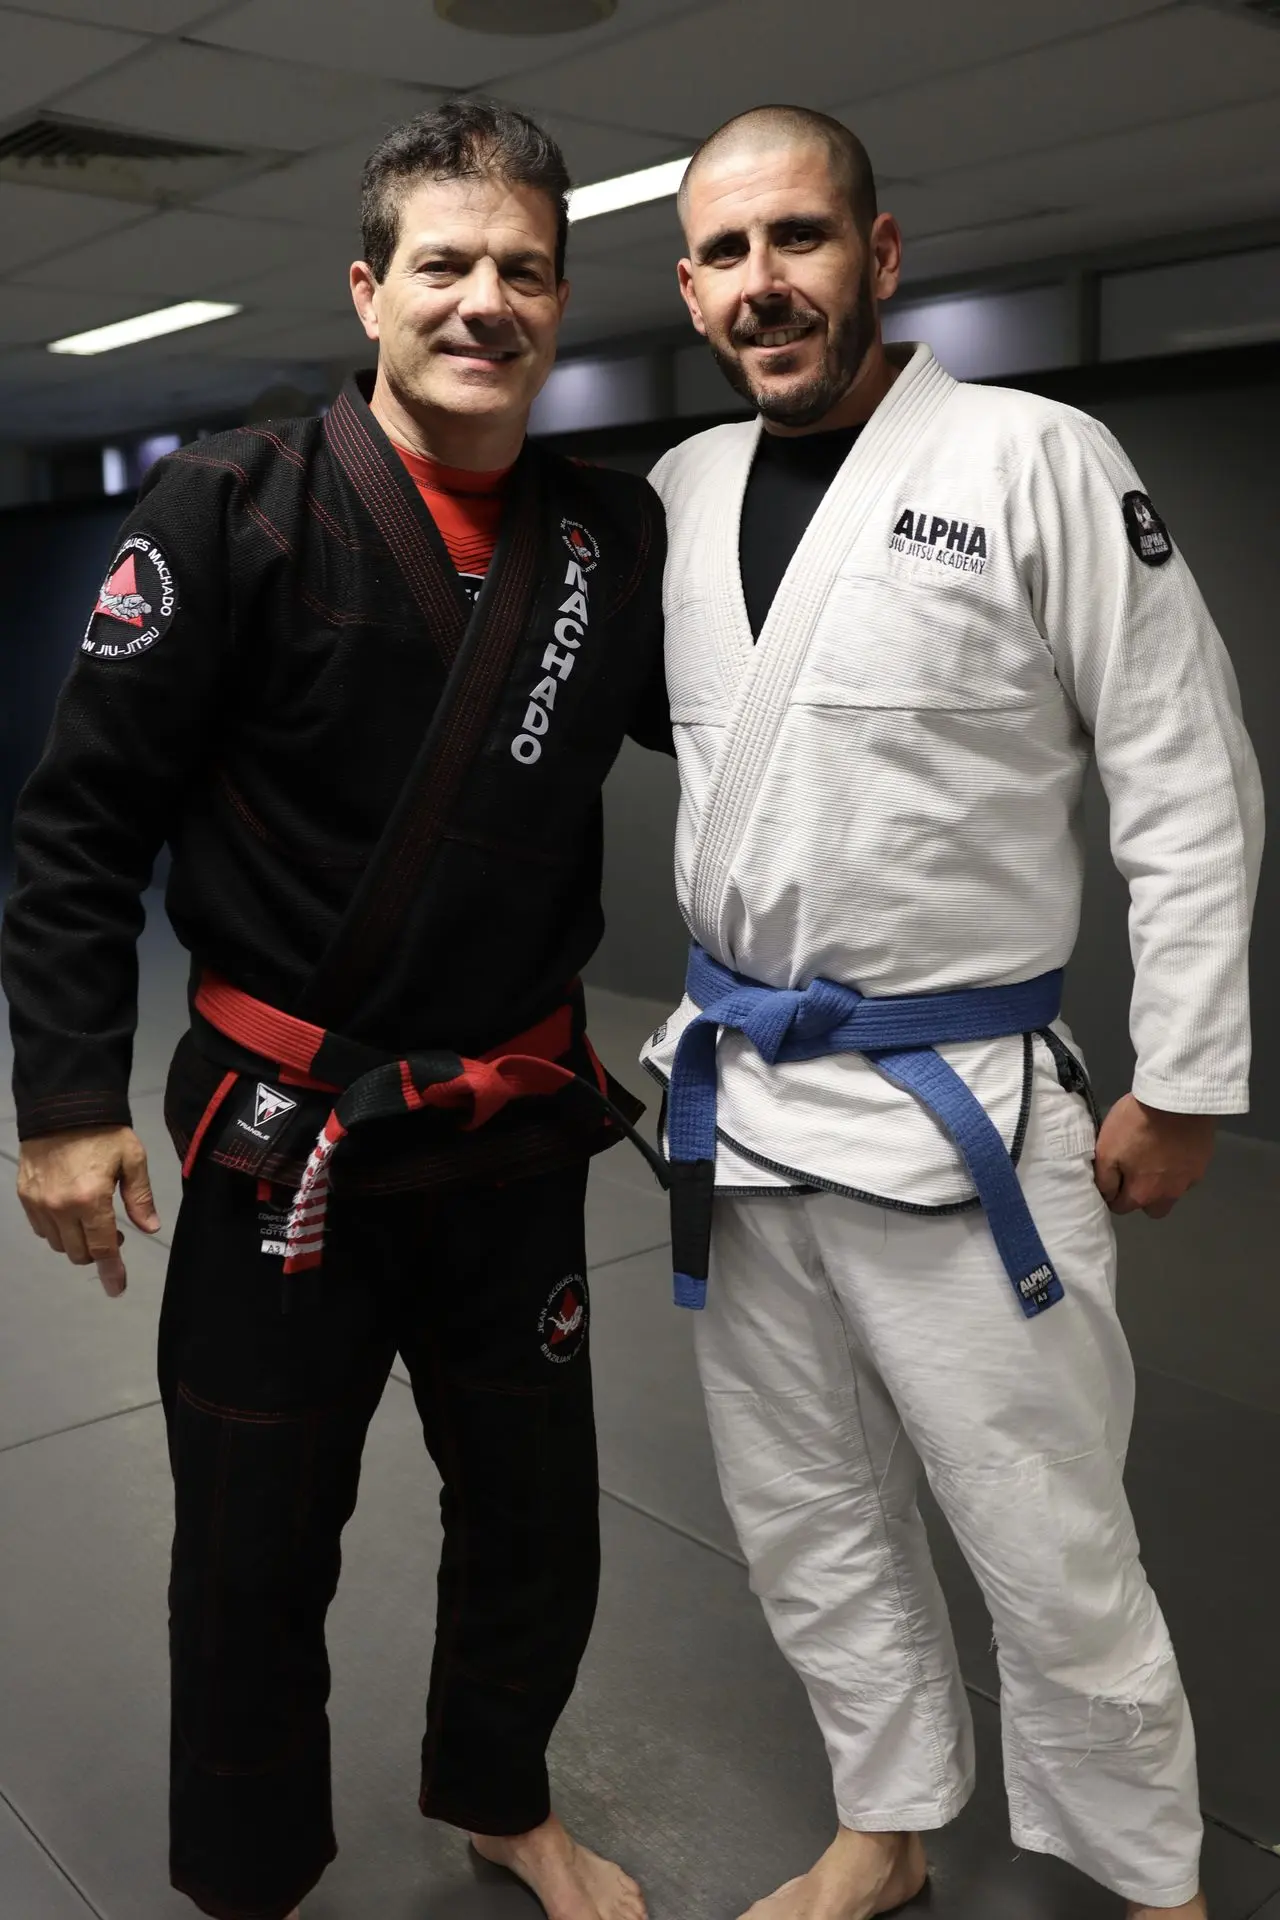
column 901, row 614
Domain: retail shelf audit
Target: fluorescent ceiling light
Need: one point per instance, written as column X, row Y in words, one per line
column 628, row 190
column 145, row 326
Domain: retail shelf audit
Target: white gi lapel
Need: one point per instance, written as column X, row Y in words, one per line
column 766, row 672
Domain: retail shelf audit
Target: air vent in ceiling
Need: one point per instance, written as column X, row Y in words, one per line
column 119, row 164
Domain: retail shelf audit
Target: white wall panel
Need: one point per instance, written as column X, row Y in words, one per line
column 1223, row 302
column 982, row 336
column 598, row 393
column 700, row 385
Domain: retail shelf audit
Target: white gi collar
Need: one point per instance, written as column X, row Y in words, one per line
column 764, row 673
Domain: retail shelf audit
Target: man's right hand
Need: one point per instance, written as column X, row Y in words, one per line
column 67, row 1184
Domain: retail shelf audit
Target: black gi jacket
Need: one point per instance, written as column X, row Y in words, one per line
column 260, row 703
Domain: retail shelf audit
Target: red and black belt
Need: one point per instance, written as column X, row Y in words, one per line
column 374, row 1085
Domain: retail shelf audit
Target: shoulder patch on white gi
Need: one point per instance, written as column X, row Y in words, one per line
column 581, row 543
column 136, row 602
column 562, row 1324
column 1146, row 531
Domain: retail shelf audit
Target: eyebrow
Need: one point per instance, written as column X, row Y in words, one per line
column 461, row 257
column 822, row 221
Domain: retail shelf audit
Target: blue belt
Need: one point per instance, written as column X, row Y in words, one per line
column 898, row 1035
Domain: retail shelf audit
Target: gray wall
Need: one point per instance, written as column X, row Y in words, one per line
column 1208, row 458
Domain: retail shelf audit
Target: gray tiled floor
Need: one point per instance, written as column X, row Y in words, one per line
column 688, row 1749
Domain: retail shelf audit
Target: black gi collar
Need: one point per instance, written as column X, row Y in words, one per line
column 382, row 482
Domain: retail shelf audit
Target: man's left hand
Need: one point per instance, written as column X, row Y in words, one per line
column 1147, row 1158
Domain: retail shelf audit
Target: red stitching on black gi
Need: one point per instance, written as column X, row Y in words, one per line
column 230, row 466
column 264, row 433
column 245, row 1414
column 407, row 540
column 317, row 605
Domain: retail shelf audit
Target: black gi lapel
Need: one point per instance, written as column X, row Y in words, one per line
column 479, row 648
column 378, row 477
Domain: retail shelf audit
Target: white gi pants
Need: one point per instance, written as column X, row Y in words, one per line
column 842, row 1346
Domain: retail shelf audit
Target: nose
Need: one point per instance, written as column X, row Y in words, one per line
column 483, row 300
column 764, row 283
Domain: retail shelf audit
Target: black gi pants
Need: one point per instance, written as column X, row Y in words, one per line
column 268, row 1389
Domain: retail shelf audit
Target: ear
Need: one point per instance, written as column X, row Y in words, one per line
column 886, row 256
column 364, row 291
column 684, row 274
column 562, row 295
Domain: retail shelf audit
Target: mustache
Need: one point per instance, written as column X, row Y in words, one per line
column 746, row 333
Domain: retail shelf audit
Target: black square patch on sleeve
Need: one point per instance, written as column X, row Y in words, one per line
column 136, row 602
column 1147, row 532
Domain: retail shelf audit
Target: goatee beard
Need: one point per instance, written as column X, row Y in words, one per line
column 847, row 348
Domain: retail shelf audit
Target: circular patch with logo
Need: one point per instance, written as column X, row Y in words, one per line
column 1148, row 534
column 136, row 602
column 581, row 543
column 562, row 1324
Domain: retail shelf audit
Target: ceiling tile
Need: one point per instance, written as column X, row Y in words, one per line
column 205, row 93
column 1177, row 153
column 42, row 58
column 304, row 336
column 30, row 316
column 319, row 190
column 35, row 221
column 405, row 39
column 183, row 255
column 1177, row 62
column 313, row 280
column 140, row 16
column 694, row 72
column 652, row 232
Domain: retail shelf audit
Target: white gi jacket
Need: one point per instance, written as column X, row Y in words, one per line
column 886, row 789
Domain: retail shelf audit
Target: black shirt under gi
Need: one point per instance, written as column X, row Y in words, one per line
column 383, row 805
column 788, row 479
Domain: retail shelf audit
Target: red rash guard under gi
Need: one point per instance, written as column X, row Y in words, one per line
column 466, row 507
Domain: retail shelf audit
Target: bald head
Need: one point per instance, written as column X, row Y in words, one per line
column 766, row 129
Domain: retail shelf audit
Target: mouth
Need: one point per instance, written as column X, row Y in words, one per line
column 778, row 339
column 479, row 355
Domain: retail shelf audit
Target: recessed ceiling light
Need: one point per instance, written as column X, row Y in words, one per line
column 627, row 190
column 145, row 326
column 525, row 16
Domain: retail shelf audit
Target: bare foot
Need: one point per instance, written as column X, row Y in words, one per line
column 571, row 1883
column 1193, row 1910
column 860, row 1875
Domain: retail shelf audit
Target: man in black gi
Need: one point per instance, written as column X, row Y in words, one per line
column 380, row 783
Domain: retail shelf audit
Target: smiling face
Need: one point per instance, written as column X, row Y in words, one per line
column 467, row 314
column 782, row 283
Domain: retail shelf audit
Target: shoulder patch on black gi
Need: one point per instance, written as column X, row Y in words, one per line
column 581, row 543
column 136, row 602
column 562, row 1324
column 1147, row 532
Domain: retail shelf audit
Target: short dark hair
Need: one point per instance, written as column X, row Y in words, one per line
column 764, row 126
column 462, row 139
